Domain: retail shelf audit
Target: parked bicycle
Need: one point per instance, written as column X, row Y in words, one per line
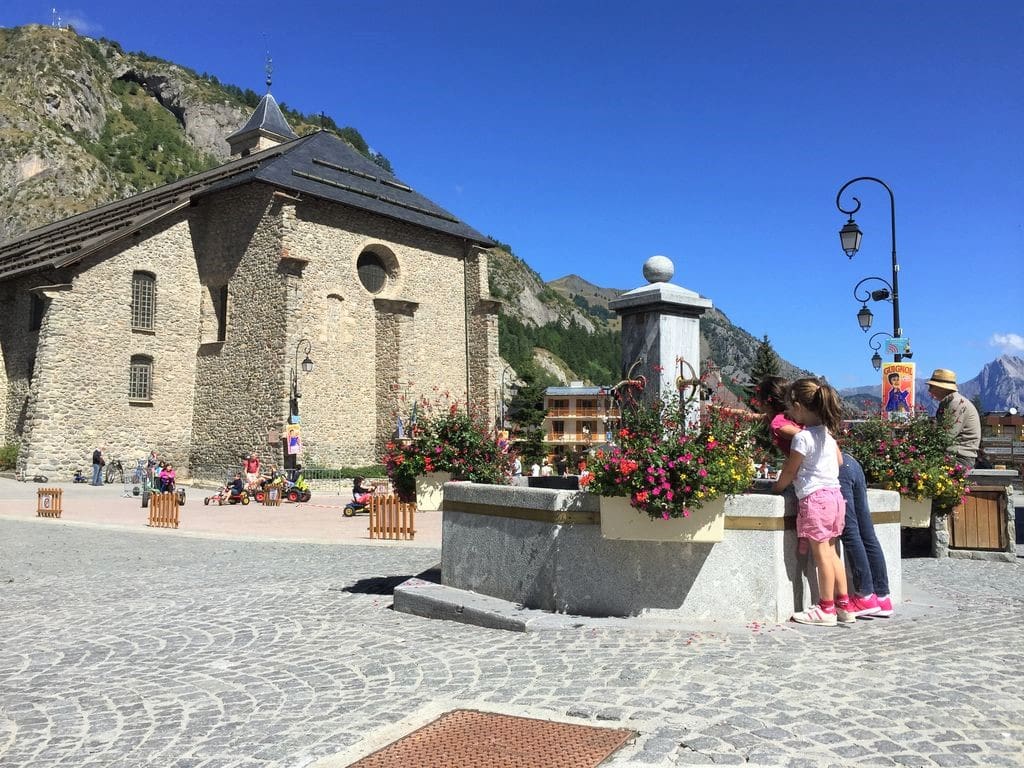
column 115, row 471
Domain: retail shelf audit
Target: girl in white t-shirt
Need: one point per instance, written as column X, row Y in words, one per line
column 813, row 468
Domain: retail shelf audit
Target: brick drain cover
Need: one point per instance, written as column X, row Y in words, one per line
column 467, row 739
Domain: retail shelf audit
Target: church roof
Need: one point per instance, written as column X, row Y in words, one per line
column 319, row 165
column 268, row 119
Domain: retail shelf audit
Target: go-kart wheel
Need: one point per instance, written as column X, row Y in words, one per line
column 259, row 497
column 206, row 501
column 306, row 496
column 245, row 498
column 292, row 495
column 348, row 512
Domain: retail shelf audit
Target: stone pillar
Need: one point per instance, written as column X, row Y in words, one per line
column 661, row 334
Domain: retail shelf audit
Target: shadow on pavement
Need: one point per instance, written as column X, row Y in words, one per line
column 385, row 585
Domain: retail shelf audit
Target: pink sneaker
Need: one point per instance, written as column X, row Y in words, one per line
column 884, row 607
column 864, row 606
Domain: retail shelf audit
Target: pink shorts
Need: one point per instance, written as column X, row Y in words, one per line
column 822, row 515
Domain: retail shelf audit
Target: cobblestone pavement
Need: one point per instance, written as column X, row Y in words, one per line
column 124, row 649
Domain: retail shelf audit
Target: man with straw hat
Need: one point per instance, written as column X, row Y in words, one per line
column 960, row 414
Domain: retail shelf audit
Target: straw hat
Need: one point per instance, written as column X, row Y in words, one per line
column 943, row 378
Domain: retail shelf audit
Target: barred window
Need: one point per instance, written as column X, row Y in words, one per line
column 143, row 300
column 140, row 379
column 372, row 272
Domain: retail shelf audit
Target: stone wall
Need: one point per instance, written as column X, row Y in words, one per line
column 78, row 398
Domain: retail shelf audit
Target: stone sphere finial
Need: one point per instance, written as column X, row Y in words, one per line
column 659, row 269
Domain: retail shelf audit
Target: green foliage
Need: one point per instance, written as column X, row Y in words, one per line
column 144, row 143
column 8, row 456
column 668, row 468
column 602, row 312
column 766, row 361
column 593, row 356
column 312, row 469
column 526, row 416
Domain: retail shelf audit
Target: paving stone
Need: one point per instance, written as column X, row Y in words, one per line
column 123, row 649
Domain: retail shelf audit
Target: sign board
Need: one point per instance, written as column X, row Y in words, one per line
column 898, row 345
column 897, row 390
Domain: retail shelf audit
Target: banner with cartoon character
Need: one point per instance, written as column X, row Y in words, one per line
column 897, row 390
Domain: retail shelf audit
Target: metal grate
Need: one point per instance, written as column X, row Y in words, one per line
column 467, row 739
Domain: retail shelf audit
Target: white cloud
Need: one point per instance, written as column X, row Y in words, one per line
column 1007, row 342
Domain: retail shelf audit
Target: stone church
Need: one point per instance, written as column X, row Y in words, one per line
column 184, row 319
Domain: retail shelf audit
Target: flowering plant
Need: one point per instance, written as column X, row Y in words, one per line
column 445, row 435
column 668, row 468
column 908, row 456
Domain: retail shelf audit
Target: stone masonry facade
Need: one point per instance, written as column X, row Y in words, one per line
column 222, row 375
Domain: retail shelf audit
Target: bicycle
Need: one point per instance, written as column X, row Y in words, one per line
column 115, row 471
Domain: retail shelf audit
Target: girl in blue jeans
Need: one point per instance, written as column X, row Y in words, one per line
column 867, row 562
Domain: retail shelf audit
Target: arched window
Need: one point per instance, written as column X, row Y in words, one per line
column 143, row 300
column 140, row 378
column 372, row 272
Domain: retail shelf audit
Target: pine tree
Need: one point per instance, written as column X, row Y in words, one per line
column 766, row 362
column 526, row 414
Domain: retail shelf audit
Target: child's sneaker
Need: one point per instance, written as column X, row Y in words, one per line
column 863, row 606
column 845, row 616
column 814, row 615
column 884, row 608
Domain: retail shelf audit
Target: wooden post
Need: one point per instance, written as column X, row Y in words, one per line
column 49, row 502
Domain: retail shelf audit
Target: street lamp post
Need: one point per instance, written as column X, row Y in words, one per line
column 850, row 237
column 296, row 392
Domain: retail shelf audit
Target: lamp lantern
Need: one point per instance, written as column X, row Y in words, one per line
column 865, row 317
column 850, row 236
column 307, row 365
column 876, row 361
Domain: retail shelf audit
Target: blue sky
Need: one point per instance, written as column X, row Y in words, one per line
column 590, row 136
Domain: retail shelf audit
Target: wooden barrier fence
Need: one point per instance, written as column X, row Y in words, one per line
column 163, row 510
column 272, row 494
column 391, row 518
column 49, row 502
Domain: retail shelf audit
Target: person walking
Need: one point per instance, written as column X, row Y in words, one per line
column 813, row 468
column 97, row 466
column 959, row 414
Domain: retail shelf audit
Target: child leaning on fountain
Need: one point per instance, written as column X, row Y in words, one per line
column 813, row 468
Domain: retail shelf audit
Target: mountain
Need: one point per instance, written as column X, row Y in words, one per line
column 82, row 123
column 999, row 386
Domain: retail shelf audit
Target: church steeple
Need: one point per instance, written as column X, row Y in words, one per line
column 266, row 128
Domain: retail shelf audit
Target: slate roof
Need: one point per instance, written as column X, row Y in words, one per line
column 267, row 118
column 319, row 165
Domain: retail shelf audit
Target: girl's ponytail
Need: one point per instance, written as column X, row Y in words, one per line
column 822, row 400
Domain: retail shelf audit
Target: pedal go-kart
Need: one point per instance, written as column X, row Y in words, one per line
column 227, row 496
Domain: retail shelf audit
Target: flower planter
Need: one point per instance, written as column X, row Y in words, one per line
column 429, row 491
column 915, row 514
column 619, row 520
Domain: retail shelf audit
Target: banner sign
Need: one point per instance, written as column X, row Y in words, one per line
column 897, row 390
column 293, row 439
